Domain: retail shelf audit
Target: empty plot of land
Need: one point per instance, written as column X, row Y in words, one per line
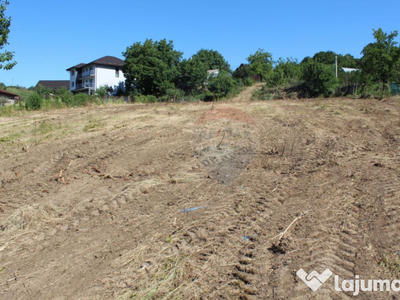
column 118, row 202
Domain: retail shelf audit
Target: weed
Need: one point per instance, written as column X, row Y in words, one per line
column 43, row 128
column 392, row 264
column 92, row 125
column 169, row 239
column 11, row 137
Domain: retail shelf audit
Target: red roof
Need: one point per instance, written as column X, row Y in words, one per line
column 8, row 93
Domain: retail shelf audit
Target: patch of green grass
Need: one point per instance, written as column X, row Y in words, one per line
column 169, row 239
column 20, row 91
column 260, row 108
column 8, row 111
column 11, row 137
column 392, row 264
column 93, row 125
column 43, row 128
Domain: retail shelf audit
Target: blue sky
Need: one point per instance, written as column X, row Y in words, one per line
column 49, row 36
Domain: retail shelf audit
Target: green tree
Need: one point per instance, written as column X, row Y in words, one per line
column 212, row 60
column 286, row 72
column 43, row 91
column 151, row 68
column 34, row 102
column 261, row 63
column 325, row 57
column 192, row 75
column 65, row 96
column 6, row 57
column 102, row 92
column 318, row 79
column 381, row 59
column 222, row 84
column 243, row 72
column 328, row 58
column 175, row 94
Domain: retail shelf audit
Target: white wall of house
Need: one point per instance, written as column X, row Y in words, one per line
column 72, row 80
column 109, row 76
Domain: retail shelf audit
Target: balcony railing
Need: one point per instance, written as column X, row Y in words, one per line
column 86, row 74
column 84, row 85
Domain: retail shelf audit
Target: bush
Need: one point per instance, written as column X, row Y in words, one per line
column 222, row 84
column 146, row 99
column 81, row 99
column 43, row 91
column 286, row 73
column 318, row 79
column 34, row 102
column 207, row 96
column 248, row 81
column 7, row 111
column 174, row 94
column 3, row 101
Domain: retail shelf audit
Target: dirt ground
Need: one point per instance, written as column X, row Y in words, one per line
column 135, row 202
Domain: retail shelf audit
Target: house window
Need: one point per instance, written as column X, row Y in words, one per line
column 72, row 72
column 72, row 84
column 117, row 73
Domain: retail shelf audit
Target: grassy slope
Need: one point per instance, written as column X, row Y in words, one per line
column 23, row 92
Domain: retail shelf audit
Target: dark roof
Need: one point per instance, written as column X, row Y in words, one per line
column 54, row 84
column 104, row 61
column 3, row 92
column 77, row 66
column 108, row 61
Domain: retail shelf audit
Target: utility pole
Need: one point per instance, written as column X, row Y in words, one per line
column 336, row 66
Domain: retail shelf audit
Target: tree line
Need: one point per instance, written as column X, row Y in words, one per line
column 156, row 69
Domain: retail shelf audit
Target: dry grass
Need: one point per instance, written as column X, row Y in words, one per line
column 31, row 217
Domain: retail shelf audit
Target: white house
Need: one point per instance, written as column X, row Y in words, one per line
column 86, row 78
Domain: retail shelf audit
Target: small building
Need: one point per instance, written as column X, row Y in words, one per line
column 54, row 84
column 212, row 73
column 243, row 71
column 11, row 97
column 105, row 71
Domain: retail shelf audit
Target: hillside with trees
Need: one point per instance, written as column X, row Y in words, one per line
column 156, row 71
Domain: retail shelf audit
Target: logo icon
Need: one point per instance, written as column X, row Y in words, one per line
column 314, row 280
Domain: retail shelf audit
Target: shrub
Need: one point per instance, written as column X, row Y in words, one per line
column 146, row 99
column 34, row 102
column 7, row 111
column 43, row 91
column 318, row 79
column 81, row 99
column 174, row 94
column 248, row 81
column 207, row 96
column 65, row 96
column 222, row 84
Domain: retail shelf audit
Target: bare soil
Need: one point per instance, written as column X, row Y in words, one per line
column 117, row 202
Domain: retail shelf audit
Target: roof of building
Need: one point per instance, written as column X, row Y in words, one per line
column 54, row 84
column 108, row 61
column 77, row 66
column 3, row 92
column 104, row 61
column 349, row 70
